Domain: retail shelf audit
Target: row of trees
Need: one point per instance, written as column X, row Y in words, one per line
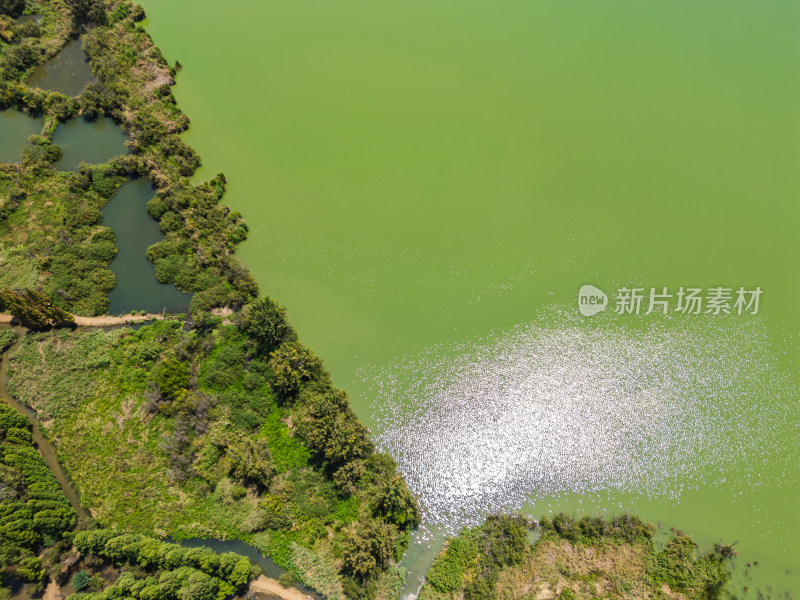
column 34, row 309
column 180, row 567
column 33, row 509
column 339, row 444
column 184, row 583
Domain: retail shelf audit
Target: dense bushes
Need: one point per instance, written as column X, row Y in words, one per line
column 153, row 554
column 33, row 509
column 573, row 557
column 500, row 542
column 201, row 233
column 590, row 529
column 34, row 310
column 676, row 565
column 293, row 474
column 40, row 153
column 12, row 8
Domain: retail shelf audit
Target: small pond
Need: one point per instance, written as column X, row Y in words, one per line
column 137, row 288
column 67, row 72
column 94, row 142
column 15, row 129
column 29, row 19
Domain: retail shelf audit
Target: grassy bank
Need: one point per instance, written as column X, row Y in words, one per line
column 575, row 559
column 226, row 431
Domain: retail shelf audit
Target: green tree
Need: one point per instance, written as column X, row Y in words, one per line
column 369, row 548
column 30, row 570
column 294, row 365
column 266, row 322
column 172, row 379
column 87, row 12
column 396, row 504
column 12, row 8
column 34, row 309
column 251, row 462
column 80, row 581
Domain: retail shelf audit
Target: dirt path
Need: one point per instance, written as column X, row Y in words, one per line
column 53, row 592
column 270, row 586
column 107, row 320
column 104, row 321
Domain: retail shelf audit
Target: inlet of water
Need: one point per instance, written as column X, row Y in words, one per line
column 15, row 129
column 137, row 288
column 67, row 72
column 92, row 142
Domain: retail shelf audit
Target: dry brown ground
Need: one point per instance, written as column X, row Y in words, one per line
column 265, row 585
column 610, row 571
column 104, row 321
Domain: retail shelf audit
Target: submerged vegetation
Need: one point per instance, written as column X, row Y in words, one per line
column 572, row 558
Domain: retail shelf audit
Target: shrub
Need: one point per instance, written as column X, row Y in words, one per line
column 80, row 581
column 396, row 504
column 287, row 579
column 172, row 378
column 370, row 548
column 294, row 365
column 12, row 8
column 266, row 322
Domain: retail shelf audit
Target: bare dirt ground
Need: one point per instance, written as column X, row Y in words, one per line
column 104, row 321
column 265, row 585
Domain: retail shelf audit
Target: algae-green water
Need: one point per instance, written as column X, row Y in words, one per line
column 428, row 184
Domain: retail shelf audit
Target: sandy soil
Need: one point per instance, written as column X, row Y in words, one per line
column 104, row 321
column 53, row 592
column 107, row 320
column 270, row 586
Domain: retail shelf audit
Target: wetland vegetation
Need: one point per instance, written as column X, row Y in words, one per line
column 573, row 559
column 223, row 425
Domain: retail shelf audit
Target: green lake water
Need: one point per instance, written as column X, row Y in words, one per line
column 429, row 183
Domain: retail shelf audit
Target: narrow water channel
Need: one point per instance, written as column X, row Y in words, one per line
column 44, row 447
column 137, row 288
column 267, row 565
